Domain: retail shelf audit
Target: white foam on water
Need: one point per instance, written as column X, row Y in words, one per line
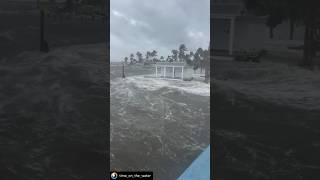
column 119, row 88
column 153, row 84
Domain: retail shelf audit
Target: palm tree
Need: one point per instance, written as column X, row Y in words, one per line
column 272, row 22
column 175, row 54
column 169, row 59
column 191, row 54
column 304, row 12
column 154, row 55
column 182, row 49
column 139, row 56
column 198, row 59
column 272, row 8
column 148, row 55
column 162, row 59
column 131, row 58
column 187, row 58
column 206, row 63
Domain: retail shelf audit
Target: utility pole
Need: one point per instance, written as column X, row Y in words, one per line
column 43, row 44
column 123, row 75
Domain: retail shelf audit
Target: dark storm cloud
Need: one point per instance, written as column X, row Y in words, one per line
column 144, row 25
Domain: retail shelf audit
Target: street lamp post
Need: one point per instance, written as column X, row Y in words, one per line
column 43, row 44
column 123, row 75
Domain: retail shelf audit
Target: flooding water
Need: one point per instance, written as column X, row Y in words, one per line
column 156, row 125
column 263, row 140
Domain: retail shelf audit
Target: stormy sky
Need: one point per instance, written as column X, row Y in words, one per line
column 162, row 25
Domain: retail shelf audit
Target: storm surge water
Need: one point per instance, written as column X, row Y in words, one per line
column 156, row 125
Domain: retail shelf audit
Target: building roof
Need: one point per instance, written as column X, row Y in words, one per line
column 170, row 64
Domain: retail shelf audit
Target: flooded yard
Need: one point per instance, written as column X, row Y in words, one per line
column 156, row 125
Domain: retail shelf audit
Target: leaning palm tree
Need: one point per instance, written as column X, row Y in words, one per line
column 139, row 57
column 169, row 59
column 200, row 57
column 175, row 54
column 206, row 63
column 131, row 58
column 182, row 49
column 196, row 61
column 148, row 54
column 153, row 55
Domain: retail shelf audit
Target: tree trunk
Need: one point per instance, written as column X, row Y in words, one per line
column 305, row 59
column 207, row 72
column 271, row 32
column 309, row 39
column 313, row 44
column 123, row 75
column 291, row 29
column 308, row 47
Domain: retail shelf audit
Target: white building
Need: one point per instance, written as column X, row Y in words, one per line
column 234, row 30
column 171, row 70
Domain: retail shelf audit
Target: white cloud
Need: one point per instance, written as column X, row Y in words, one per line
column 195, row 35
column 131, row 21
column 116, row 13
column 144, row 25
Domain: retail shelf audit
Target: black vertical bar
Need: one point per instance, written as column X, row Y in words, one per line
column 107, row 26
column 212, row 132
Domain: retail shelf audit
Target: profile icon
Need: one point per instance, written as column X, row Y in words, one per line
column 114, row 175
